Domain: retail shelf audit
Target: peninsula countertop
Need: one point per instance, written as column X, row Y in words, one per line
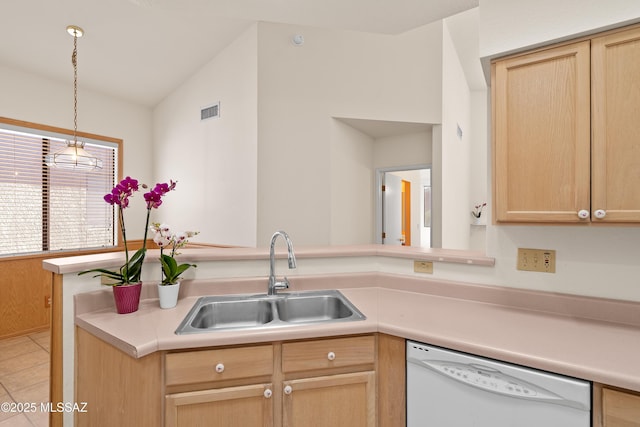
column 589, row 338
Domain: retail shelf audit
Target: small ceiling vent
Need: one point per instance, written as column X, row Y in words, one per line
column 210, row 112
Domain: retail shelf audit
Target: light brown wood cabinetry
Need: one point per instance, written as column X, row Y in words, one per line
column 329, row 401
column 620, row 408
column 315, row 394
column 325, row 382
column 327, row 353
column 566, row 132
column 118, row 389
column 230, row 407
column 221, row 402
column 615, row 71
column 201, row 366
column 320, row 382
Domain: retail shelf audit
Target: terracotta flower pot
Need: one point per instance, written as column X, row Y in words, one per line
column 127, row 297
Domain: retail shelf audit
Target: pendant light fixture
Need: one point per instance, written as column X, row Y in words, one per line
column 74, row 156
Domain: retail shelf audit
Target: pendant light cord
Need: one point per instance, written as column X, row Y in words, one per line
column 74, row 61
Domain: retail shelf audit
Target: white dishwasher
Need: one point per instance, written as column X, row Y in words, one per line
column 451, row 389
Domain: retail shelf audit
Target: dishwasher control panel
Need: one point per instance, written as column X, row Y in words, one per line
column 489, row 379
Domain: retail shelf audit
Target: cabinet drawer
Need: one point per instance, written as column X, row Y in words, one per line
column 328, row 353
column 620, row 408
column 217, row 365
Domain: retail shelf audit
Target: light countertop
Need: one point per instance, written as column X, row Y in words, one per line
column 587, row 338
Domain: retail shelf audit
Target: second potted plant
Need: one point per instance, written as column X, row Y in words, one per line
column 169, row 287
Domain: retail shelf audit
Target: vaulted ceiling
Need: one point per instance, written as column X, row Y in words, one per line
column 140, row 50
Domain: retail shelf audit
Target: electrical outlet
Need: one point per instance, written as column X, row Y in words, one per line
column 541, row 260
column 423, row 267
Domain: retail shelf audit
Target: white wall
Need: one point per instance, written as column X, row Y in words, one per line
column 511, row 25
column 334, row 74
column 455, row 150
column 596, row 261
column 479, row 171
column 214, row 161
column 32, row 98
column 350, row 178
column 402, row 150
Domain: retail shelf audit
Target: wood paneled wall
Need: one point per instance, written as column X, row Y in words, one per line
column 25, row 289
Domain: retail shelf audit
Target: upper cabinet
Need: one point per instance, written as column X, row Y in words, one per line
column 615, row 93
column 566, row 132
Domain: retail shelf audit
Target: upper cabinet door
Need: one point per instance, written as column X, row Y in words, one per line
column 616, row 127
column 541, row 123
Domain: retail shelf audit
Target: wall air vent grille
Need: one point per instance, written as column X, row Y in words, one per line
column 210, row 112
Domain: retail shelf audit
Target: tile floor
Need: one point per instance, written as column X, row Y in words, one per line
column 24, row 378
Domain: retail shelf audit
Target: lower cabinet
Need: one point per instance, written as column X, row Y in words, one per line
column 230, row 407
column 329, row 382
column 330, row 401
column 620, row 408
column 319, row 382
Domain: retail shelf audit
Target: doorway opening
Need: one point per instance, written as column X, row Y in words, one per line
column 403, row 206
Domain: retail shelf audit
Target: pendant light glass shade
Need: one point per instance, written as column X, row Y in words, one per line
column 74, row 156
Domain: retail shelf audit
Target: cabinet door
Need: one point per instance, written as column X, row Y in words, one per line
column 616, row 126
column 620, row 409
column 246, row 406
column 346, row 400
column 541, row 106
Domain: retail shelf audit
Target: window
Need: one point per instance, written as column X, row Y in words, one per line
column 45, row 209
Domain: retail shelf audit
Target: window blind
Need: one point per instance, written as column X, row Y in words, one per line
column 46, row 209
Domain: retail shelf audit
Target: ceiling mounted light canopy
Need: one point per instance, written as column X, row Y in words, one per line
column 74, row 156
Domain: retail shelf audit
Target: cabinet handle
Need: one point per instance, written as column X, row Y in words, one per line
column 331, row 356
column 288, row 390
column 600, row 213
column 219, row 368
column 268, row 393
column 583, row 213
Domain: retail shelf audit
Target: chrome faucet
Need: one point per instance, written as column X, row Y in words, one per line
column 284, row 284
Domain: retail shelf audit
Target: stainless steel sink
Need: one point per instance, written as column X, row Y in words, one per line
column 232, row 314
column 316, row 308
column 225, row 312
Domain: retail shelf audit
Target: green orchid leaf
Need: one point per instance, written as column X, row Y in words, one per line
column 171, row 269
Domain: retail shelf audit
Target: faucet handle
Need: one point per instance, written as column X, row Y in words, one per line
column 284, row 284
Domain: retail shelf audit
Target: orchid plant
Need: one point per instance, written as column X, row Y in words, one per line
column 165, row 238
column 130, row 272
column 477, row 210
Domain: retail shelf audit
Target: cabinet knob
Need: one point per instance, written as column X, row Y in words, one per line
column 288, row 389
column 219, row 368
column 268, row 393
column 600, row 213
column 331, row 356
column 583, row 213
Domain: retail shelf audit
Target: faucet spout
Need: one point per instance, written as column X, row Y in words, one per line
column 274, row 285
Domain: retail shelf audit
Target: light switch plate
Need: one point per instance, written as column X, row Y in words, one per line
column 423, row 267
column 540, row 260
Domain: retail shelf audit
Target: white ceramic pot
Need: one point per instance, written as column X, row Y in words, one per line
column 168, row 295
